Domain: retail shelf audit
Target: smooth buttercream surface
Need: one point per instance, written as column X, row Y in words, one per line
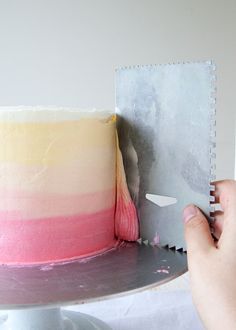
column 61, row 192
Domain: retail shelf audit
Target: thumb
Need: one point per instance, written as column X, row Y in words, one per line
column 197, row 231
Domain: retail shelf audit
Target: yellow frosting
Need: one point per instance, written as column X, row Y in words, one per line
column 51, row 143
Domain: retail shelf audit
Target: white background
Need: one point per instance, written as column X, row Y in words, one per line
column 64, row 52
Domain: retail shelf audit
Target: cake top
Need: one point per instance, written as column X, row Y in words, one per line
column 50, row 113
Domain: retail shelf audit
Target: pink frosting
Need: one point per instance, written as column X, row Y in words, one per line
column 56, row 238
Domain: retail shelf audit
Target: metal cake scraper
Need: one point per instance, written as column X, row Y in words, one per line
column 166, row 129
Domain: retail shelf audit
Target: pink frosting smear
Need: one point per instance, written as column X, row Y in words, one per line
column 126, row 220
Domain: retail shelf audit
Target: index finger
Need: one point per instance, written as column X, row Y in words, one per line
column 225, row 194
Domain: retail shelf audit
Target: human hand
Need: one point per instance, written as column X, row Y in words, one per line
column 212, row 265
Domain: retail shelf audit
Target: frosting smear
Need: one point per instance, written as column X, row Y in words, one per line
column 126, row 220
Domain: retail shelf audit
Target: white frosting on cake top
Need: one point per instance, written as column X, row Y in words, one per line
column 49, row 113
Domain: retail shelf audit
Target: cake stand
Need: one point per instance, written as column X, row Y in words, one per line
column 31, row 297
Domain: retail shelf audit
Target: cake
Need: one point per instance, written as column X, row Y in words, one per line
column 62, row 185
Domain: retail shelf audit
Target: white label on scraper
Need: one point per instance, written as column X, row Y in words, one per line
column 161, row 200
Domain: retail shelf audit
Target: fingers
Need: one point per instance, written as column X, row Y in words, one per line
column 225, row 194
column 197, row 231
column 218, row 223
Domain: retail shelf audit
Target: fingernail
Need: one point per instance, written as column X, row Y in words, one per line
column 189, row 212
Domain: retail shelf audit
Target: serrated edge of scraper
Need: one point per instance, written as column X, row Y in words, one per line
column 136, row 66
column 212, row 133
column 212, row 68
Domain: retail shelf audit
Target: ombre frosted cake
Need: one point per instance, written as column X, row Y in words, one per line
column 62, row 185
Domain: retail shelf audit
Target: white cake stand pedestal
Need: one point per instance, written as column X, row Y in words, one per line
column 31, row 297
column 49, row 319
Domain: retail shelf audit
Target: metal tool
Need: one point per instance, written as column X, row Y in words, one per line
column 167, row 138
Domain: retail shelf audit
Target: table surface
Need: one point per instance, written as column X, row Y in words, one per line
column 166, row 307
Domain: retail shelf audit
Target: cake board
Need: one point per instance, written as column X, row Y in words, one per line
column 31, row 297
